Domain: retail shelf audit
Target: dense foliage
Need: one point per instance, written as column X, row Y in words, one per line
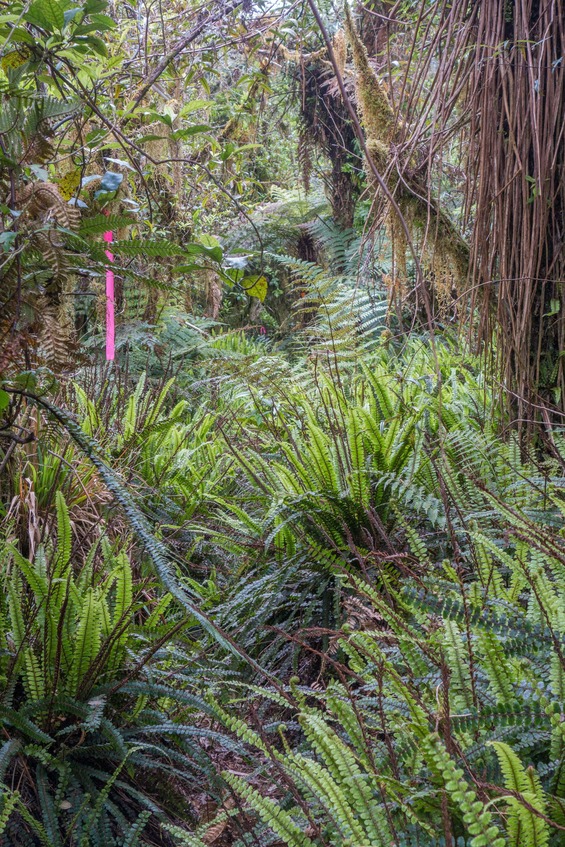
column 289, row 568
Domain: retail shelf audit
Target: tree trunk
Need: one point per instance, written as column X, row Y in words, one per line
column 517, row 100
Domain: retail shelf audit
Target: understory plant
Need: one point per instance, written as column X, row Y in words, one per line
column 325, row 469
column 441, row 718
column 389, row 573
column 100, row 745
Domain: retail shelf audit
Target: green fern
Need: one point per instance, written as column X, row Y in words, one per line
column 525, row 827
column 276, row 818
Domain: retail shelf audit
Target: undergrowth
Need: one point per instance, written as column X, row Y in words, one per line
column 388, row 567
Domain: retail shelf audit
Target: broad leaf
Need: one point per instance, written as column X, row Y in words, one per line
column 48, row 14
column 255, row 286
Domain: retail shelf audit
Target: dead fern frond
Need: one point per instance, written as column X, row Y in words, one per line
column 305, row 156
column 54, row 336
column 43, row 200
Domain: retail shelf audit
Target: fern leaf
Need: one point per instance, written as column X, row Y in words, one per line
column 526, row 829
column 48, row 811
column 276, row 818
column 87, row 641
column 64, row 536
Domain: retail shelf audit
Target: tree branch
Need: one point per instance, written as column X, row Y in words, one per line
column 187, row 39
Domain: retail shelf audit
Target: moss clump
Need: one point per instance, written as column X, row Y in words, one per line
column 378, row 116
column 445, row 252
column 340, row 50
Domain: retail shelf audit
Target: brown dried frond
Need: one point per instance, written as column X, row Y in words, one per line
column 300, row 58
column 39, row 149
column 43, row 200
column 304, row 152
column 93, row 185
column 24, row 513
column 362, row 617
column 54, row 336
column 213, row 295
column 13, row 345
column 214, row 832
column 51, row 247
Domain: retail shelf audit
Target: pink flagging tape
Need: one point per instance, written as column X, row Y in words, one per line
column 110, row 304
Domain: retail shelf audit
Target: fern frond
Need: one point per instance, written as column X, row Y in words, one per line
column 276, row 818
column 526, row 829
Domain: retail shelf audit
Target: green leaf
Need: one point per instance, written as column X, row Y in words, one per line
column 4, row 400
column 7, row 240
column 187, row 269
column 232, row 276
column 144, row 139
column 92, row 7
column 97, row 45
column 191, row 130
column 111, row 181
column 19, row 35
column 64, row 535
column 209, row 241
column 194, row 106
column 103, row 22
column 165, row 119
column 70, row 14
column 209, row 246
column 554, row 308
column 511, row 766
column 94, row 137
column 26, row 380
column 48, row 14
column 255, row 286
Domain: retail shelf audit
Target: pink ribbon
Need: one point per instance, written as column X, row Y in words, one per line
column 110, row 304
